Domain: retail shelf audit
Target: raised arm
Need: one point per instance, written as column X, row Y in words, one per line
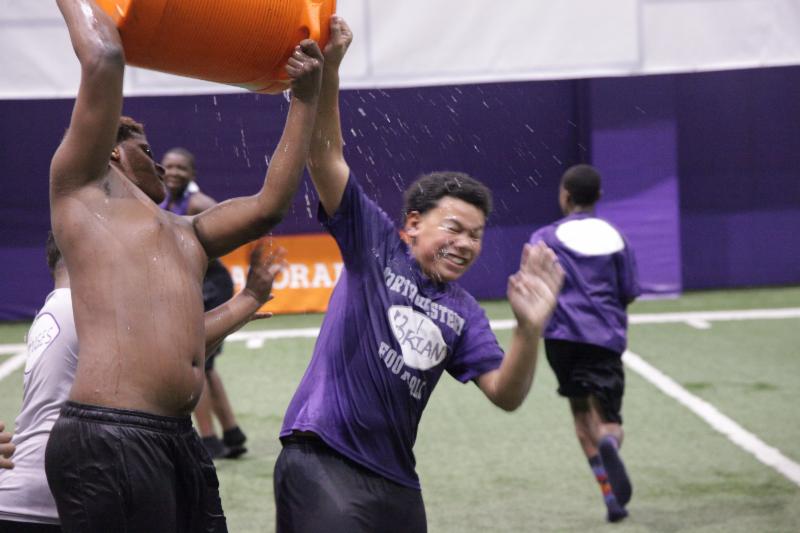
column 83, row 155
column 243, row 307
column 6, row 447
column 232, row 223
column 326, row 163
column 532, row 293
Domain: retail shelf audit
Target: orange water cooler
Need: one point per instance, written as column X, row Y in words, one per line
column 238, row 42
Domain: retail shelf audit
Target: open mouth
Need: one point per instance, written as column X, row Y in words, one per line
column 455, row 259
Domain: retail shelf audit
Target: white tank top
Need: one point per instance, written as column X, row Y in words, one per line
column 49, row 373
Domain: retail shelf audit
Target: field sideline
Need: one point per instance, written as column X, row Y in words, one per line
column 713, row 438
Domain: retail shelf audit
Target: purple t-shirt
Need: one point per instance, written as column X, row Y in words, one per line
column 600, row 281
column 387, row 336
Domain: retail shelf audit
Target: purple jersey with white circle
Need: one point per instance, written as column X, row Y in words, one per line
column 600, row 281
column 387, row 336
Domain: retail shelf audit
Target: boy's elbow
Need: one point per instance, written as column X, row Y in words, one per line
column 104, row 58
column 269, row 220
column 509, row 404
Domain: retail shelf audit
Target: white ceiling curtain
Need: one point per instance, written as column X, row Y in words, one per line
column 434, row 42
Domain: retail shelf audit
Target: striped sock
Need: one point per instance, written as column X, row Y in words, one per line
column 615, row 511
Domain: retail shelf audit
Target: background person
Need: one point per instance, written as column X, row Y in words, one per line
column 184, row 198
column 587, row 333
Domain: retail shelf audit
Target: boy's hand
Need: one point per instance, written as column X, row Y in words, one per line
column 305, row 70
column 533, row 289
column 340, row 38
column 6, row 448
column 263, row 269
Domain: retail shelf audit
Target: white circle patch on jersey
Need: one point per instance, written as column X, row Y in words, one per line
column 419, row 337
column 590, row 236
column 41, row 335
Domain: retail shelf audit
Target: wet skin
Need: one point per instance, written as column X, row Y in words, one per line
column 136, row 271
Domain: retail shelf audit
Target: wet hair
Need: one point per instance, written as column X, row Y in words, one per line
column 582, row 182
column 183, row 152
column 128, row 128
column 424, row 194
column 53, row 253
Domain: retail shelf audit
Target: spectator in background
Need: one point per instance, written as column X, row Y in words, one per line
column 587, row 333
column 184, row 198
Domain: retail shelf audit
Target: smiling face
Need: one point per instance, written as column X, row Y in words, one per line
column 136, row 159
column 447, row 239
column 178, row 172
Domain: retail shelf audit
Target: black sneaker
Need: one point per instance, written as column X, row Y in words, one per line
column 215, row 447
column 234, row 440
column 615, row 468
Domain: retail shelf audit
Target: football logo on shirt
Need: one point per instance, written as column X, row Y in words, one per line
column 42, row 334
column 419, row 337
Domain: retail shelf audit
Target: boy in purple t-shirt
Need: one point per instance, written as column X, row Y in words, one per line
column 586, row 335
column 396, row 321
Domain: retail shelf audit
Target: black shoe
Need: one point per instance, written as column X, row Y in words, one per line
column 234, row 439
column 615, row 469
column 215, row 447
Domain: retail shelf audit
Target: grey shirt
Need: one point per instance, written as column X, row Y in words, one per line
column 49, row 373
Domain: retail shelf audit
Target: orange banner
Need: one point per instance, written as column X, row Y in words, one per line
column 314, row 266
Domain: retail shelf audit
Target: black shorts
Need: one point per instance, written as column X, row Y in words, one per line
column 318, row 489
column 10, row 526
column 217, row 289
column 585, row 369
column 119, row 470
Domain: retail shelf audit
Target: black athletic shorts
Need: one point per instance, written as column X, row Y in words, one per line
column 318, row 489
column 11, row 526
column 585, row 369
column 119, row 470
column 217, row 289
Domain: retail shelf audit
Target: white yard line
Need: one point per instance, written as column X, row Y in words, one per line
column 12, row 348
column 12, row 363
column 699, row 319
column 737, row 434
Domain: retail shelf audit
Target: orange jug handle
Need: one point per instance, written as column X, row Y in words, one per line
column 116, row 9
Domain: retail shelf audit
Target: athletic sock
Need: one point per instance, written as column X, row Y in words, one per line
column 616, row 512
column 615, row 468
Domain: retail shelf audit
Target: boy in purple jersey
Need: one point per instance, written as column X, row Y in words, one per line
column 396, row 321
column 586, row 335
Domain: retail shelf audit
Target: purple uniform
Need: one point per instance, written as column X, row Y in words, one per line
column 388, row 335
column 600, row 281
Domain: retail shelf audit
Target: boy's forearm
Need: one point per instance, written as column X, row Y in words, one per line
column 327, row 139
column 228, row 318
column 514, row 378
column 288, row 159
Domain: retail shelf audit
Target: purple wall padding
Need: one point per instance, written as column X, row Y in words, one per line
column 739, row 146
column 702, row 171
column 634, row 145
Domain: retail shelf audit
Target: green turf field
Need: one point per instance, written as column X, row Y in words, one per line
column 486, row 470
